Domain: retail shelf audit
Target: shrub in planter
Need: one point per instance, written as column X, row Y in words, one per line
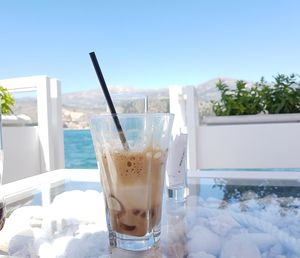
column 242, row 100
column 281, row 96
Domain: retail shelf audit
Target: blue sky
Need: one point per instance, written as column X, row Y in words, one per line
column 149, row 44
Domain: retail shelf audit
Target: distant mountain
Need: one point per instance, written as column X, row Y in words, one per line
column 207, row 91
column 79, row 106
column 95, row 98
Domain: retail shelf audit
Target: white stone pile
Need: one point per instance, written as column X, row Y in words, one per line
column 74, row 226
column 215, row 229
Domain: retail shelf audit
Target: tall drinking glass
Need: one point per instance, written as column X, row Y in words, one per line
column 2, row 203
column 132, row 178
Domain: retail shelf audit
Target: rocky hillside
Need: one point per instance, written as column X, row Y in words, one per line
column 79, row 106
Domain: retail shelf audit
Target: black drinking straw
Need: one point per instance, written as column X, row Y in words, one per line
column 109, row 100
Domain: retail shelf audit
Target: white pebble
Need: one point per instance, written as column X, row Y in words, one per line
column 263, row 241
column 46, row 251
column 239, row 246
column 201, row 255
column 222, row 224
column 202, row 239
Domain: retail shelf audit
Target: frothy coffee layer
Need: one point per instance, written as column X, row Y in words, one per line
column 131, row 167
column 133, row 185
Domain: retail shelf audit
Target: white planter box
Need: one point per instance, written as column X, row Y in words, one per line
column 251, row 119
column 255, row 141
column 252, row 141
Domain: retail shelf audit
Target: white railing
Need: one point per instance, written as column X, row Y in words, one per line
column 32, row 150
column 246, row 144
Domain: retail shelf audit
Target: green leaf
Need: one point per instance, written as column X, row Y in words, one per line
column 7, row 101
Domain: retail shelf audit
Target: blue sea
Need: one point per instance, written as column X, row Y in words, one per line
column 79, row 150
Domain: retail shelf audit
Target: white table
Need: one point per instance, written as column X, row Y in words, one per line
column 228, row 213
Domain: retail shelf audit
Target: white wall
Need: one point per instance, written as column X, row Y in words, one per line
column 272, row 145
column 21, row 152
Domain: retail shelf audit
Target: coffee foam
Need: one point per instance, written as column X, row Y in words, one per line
column 131, row 166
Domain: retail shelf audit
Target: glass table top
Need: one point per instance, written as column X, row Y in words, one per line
column 226, row 214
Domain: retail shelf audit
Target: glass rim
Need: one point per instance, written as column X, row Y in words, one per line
column 129, row 115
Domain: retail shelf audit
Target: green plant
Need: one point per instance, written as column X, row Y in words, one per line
column 283, row 96
column 242, row 100
column 7, row 101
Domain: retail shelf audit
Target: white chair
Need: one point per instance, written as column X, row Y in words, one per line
column 31, row 150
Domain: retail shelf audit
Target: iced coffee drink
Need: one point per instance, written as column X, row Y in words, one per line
column 133, row 184
column 132, row 175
